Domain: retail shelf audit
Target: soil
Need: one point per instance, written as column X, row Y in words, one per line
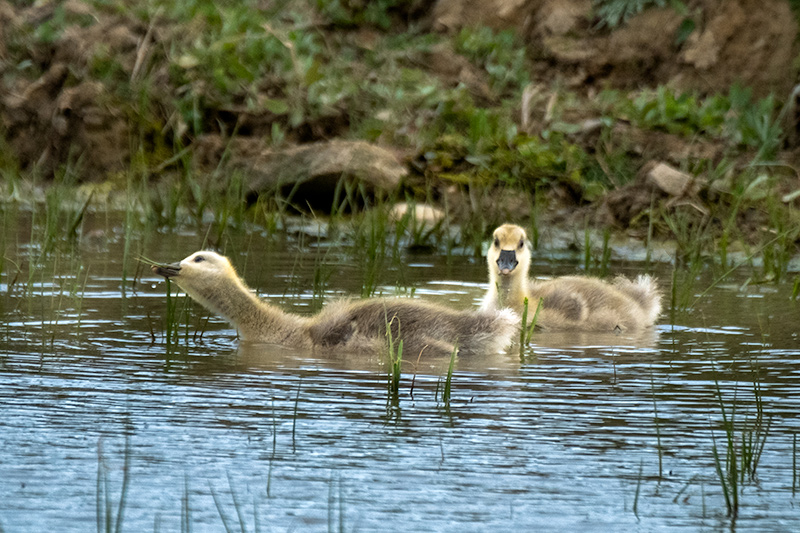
column 63, row 116
column 714, row 44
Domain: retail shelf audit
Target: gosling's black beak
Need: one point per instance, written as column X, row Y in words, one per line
column 507, row 261
column 168, row 271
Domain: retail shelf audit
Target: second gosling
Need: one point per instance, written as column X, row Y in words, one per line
column 578, row 303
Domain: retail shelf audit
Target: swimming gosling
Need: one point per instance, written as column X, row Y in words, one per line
column 576, row 303
column 347, row 326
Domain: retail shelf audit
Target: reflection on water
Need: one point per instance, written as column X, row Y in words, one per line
column 562, row 438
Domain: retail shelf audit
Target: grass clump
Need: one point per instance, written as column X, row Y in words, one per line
column 395, row 344
column 742, row 451
column 501, row 54
column 107, row 520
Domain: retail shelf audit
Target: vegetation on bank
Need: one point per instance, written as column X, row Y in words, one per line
column 467, row 113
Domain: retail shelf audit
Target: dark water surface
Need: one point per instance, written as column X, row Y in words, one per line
column 565, row 438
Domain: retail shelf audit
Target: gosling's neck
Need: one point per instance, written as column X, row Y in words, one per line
column 255, row 319
column 512, row 289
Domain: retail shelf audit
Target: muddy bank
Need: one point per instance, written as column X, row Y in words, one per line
column 707, row 45
column 93, row 91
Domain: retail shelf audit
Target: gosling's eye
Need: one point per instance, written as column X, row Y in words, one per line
column 199, row 259
column 496, row 242
column 521, row 244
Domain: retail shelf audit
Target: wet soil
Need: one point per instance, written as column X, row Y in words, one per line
column 59, row 114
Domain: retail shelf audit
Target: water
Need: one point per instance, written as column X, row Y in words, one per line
column 566, row 438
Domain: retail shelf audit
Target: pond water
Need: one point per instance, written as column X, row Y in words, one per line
column 581, row 432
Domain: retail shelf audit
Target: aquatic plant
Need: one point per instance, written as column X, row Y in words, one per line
column 336, row 505
column 658, row 429
column 321, row 277
column 237, row 505
column 186, row 510
column 107, row 520
column 395, row 359
column 795, row 475
column 448, row 380
column 370, row 240
column 294, row 421
column 638, row 489
column 742, row 454
column 526, row 328
column 590, row 264
column 171, row 324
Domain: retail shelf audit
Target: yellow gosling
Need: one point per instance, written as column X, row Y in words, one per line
column 576, row 303
column 347, row 326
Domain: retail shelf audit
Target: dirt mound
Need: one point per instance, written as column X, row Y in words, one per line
column 714, row 44
column 72, row 100
column 66, row 116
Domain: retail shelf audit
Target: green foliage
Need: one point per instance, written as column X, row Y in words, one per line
column 500, row 54
column 612, row 13
column 743, row 451
column 50, row 30
column 231, row 55
column 736, row 118
column 680, row 114
column 358, row 12
column 276, row 72
column 395, row 353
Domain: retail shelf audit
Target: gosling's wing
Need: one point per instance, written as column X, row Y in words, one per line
column 330, row 333
column 571, row 305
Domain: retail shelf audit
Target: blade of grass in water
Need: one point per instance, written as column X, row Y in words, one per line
column 526, row 329
column 658, row 431
column 395, row 361
column 237, row 505
column 126, row 478
column 794, row 463
column 220, row 510
column 185, row 510
column 294, row 414
column 448, row 380
column 638, row 490
column 104, row 506
column 735, row 267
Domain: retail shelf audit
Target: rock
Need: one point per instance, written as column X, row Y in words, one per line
column 669, row 180
column 334, row 159
column 309, row 172
column 423, row 214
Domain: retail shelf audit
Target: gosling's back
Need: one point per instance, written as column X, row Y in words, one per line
column 570, row 302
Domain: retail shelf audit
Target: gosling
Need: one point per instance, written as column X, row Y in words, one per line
column 575, row 303
column 357, row 326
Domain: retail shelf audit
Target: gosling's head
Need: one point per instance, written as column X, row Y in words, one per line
column 509, row 253
column 199, row 269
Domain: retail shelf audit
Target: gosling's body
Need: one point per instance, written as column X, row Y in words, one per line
column 568, row 303
column 357, row 326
